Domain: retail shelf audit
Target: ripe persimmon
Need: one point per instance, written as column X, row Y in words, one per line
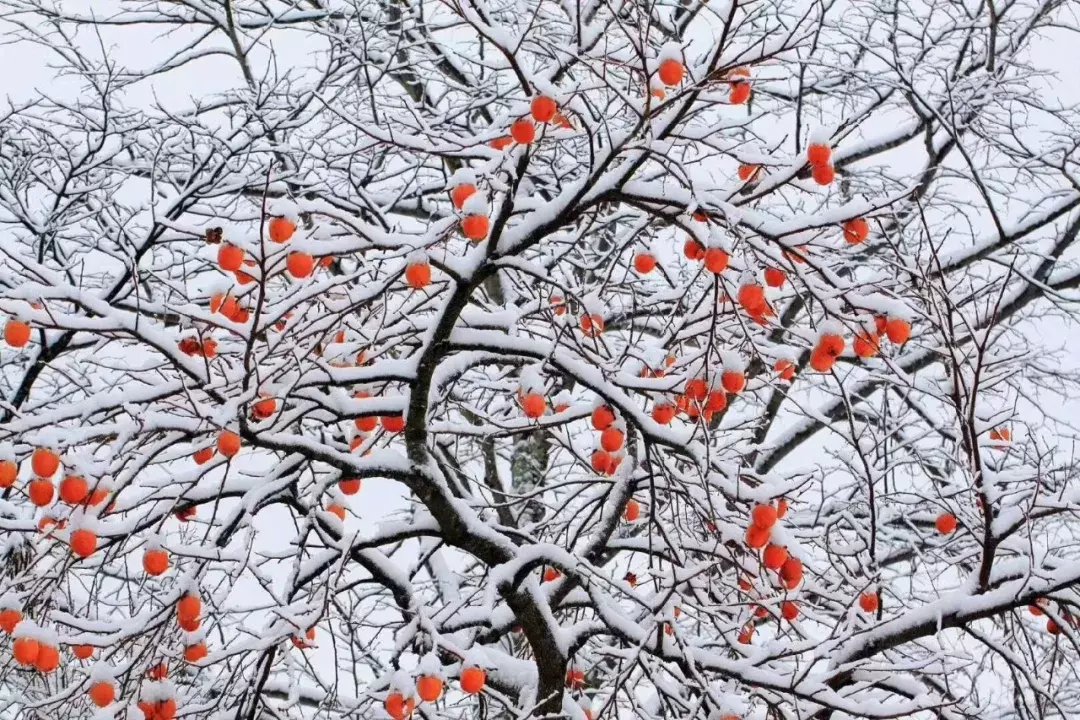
column 83, row 652
column 304, row 641
column 48, row 658
column 763, row 516
column 189, row 346
column 818, row 154
column 791, row 572
column 644, row 263
column 856, row 231
column 16, row 333
column 716, row 260
column 592, row 325
column 281, row 229
column 775, row 277
column 789, row 610
column 41, row 492
column 663, row 413
column 203, row 455
column 671, row 72
column 601, row 461
column 189, row 607
column 785, row 369
column 429, row 688
column 25, row 650
column 155, row 562
column 461, row 193
column 534, row 405
column 350, row 486
column 822, row 361
column 693, row 250
column 74, row 490
column 230, row 257
column 946, row 523
column 697, row 389
column 523, row 131
column 473, row 680
column 9, row 618
column 757, row 537
column 160, row 710
column 102, row 694
column 84, row 542
column 501, row 143
column 195, row 652
column 476, row 227
column 9, row 471
column 612, row 438
column 898, row 330
column 264, row 408
column 632, row 512
column 543, row 109
column 746, row 635
column 823, row 174
column 740, row 93
column 418, row 275
column 44, row 462
column 869, row 602
column 337, row 510
column 398, row 707
column 189, row 624
column 752, row 297
column 228, row 443
column 552, row 574
column 866, row 345
column 748, row 172
column 831, row 344
column 734, row 381
column 393, row 423
column 300, row 265
column 714, row 403
column 774, row 556
column 781, row 508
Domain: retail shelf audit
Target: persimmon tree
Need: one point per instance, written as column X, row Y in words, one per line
column 539, row 359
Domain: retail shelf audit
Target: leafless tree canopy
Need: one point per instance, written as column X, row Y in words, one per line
column 811, row 178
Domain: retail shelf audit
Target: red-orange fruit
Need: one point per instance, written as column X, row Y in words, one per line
column 230, row 257
column 74, row 490
column 775, row 277
column 228, row 443
column 644, row 263
column 102, row 694
column 16, row 333
column 823, row 174
column 393, row 423
column 473, row 680
column 523, row 131
column 856, row 231
column 946, row 523
column 534, row 405
column 429, row 688
column 671, row 72
column 44, row 462
column 155, row 562
column 281, row 229
column 543, row 109
column 476, row 227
